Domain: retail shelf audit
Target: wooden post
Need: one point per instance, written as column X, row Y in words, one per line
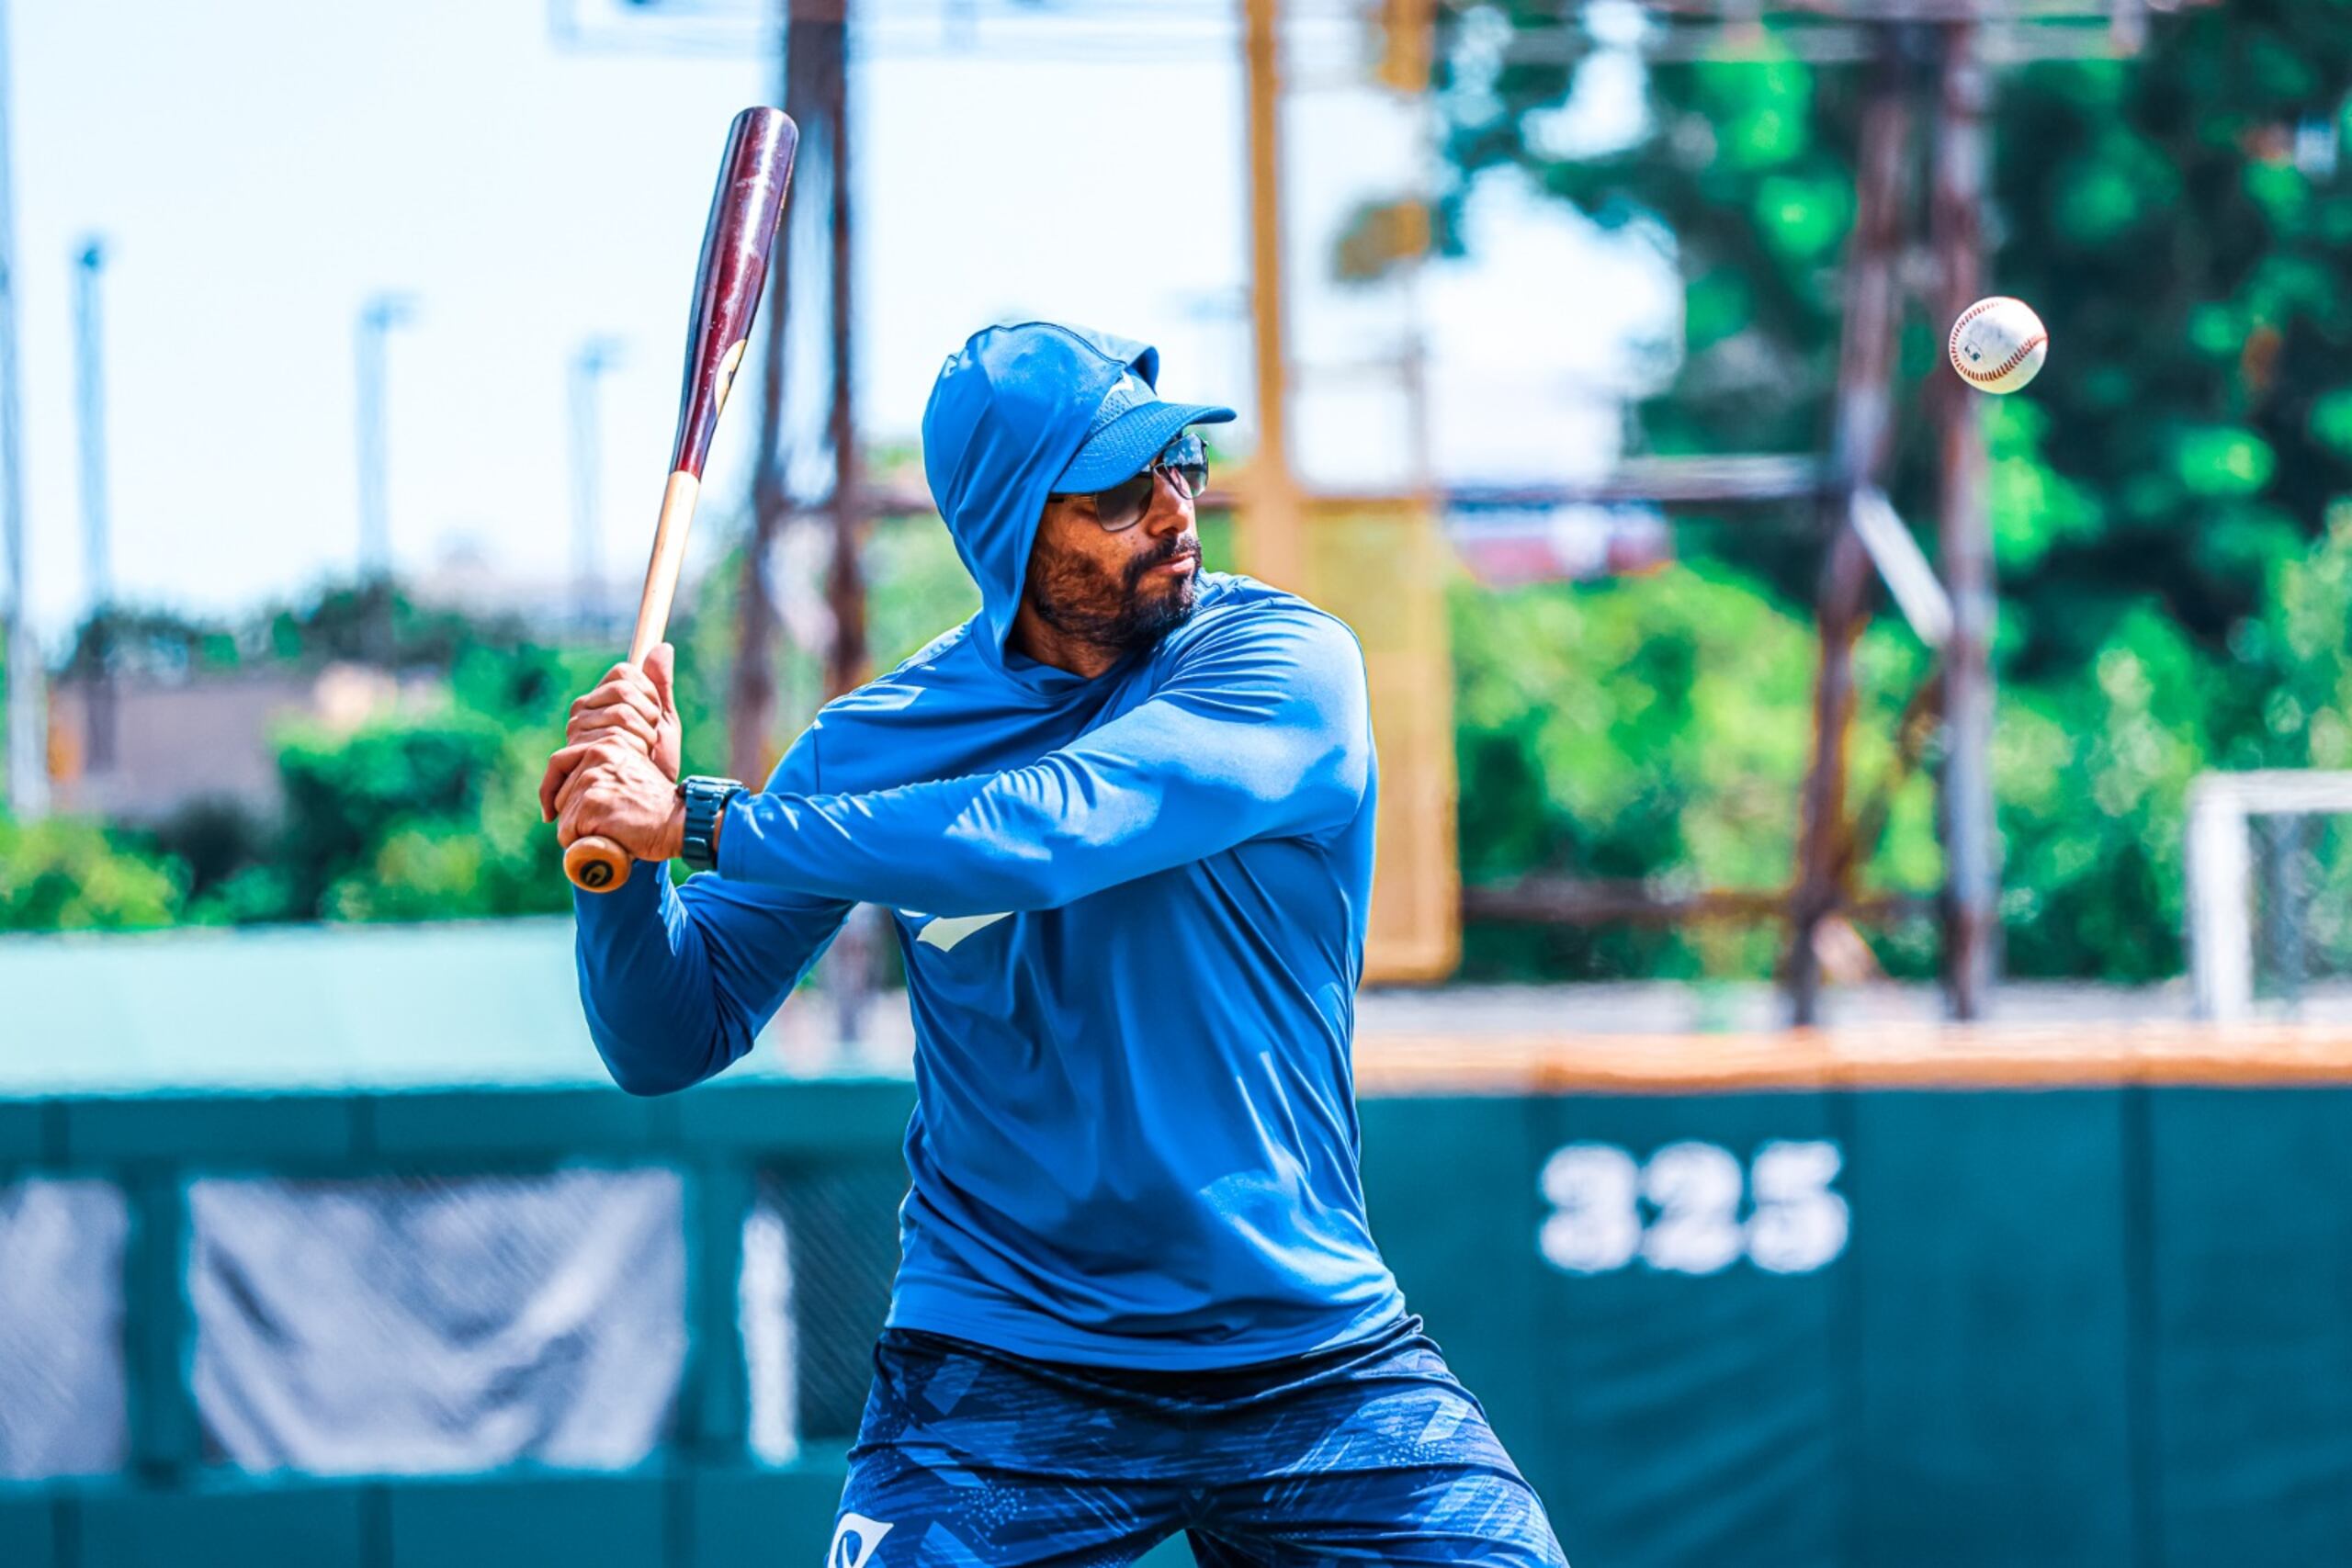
column 1379, row 561
column 849, row 968
column 1860, row 439
column 1270, row 523
column 750, row 689
column 1408, row 37
column 816, row 93
column 1972, row 876
column 846, row 583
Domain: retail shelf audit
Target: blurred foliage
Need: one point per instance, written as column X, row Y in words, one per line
column 2166, row 500
column 2171, row 507
column 2183, row 219
column 429, row 809
column 1648, row 728
column 61, row 875
column 1655, row 729
column 373, row 621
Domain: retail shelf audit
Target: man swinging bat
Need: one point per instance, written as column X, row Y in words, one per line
column 1123, row 821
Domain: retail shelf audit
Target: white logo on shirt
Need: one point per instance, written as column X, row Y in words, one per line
column 855, row 1541
column 943, row 931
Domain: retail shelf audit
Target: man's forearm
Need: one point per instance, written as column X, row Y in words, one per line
column 645, row 986
column 676, row 984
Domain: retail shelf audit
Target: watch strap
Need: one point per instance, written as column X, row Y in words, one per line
column 707, row 800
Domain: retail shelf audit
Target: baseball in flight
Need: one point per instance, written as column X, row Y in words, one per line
column 1998, row 345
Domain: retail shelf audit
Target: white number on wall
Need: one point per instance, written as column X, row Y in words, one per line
column 1696, row 1188
column 1799, row 1223
column 1679, row 1212
column 1595, row 1225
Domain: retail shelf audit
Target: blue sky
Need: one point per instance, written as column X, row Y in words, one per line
column 258, row 168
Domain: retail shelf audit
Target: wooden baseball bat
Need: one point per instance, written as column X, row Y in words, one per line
column 736, row 241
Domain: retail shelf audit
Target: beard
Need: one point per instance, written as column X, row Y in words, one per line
column 1081, row 598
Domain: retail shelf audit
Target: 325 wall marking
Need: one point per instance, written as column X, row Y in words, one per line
column 1692, row 1209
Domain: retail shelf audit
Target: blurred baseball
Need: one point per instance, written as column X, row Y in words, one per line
column 1998, row 345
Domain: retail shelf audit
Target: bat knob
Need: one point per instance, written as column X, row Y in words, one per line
column 596, row 864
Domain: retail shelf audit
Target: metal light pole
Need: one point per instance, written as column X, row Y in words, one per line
column 377, row 316
column 89, row 366
column 592, row 358
column 28, row 729
column 1973, row 877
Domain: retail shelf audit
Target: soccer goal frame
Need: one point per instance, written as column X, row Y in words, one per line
column 2219, row 857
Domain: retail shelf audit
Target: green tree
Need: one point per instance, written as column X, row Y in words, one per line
column 2172, row 585
column 1654, row 728
column 62, row 874
column 347, row 795
column 2181, row 219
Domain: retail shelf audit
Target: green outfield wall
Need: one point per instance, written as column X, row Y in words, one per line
column 2084, row 1326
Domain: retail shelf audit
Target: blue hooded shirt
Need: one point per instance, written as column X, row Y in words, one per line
column 1131, row 913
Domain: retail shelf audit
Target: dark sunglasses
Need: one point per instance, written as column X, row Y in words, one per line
column 1121, row 507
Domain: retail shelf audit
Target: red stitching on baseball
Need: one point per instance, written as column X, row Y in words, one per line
column 2017, row 357
column 2011, row 363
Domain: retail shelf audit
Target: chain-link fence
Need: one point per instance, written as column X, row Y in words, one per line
column 2301, row 891
column 424, row 1324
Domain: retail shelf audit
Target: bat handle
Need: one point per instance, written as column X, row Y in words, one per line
column 594, row 862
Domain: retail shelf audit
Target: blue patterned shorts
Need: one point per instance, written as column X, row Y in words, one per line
column 1368, row 1453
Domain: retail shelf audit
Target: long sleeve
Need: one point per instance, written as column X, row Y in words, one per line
column 676, row 982
column 1263, row 730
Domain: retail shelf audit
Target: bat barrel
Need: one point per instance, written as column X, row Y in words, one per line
column 744, row 211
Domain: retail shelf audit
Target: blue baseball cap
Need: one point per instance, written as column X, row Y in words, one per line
column 1128, row 430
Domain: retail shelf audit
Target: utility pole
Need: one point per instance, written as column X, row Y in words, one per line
column 751, row 690
column 815, row 48
column 850, row 975
column 816, row 94
column 1972, row 879
column 27, row 726
column 89, row 363
column 846, row 583
column 589, row 363
column 1860, row 440
column 377, row 316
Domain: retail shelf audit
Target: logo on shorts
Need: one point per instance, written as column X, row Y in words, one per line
column 855, row 1540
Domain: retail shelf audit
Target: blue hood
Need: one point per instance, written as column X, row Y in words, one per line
column 1008, row 411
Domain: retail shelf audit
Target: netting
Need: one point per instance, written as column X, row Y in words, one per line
column 842, row 1224
column 434, row 1325
column 2301, row 894
column 60, row 1328
column 2270, row 893
column 419, row 1326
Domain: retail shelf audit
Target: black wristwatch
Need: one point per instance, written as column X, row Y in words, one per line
column 706, row 802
